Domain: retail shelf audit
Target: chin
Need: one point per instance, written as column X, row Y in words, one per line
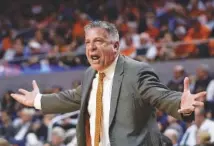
column 97, row 67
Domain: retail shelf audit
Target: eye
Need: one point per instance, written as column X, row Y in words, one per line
column 86, row 42
column 99, row 41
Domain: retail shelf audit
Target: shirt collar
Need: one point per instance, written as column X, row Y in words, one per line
column 109, row 71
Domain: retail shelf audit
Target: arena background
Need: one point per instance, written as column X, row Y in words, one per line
column 44, row 40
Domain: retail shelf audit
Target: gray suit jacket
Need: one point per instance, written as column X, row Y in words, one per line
column 136, row 92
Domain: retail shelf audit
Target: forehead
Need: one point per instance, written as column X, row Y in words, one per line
column 96, row 32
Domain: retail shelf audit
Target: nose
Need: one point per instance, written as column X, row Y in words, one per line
column 92, row 47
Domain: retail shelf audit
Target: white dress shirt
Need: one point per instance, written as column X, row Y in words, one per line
column 210, row 91
column 107, row 88
column 189, row 137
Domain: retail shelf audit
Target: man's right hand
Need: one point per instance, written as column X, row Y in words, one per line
column 27, row 98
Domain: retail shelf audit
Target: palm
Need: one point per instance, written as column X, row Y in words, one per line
column 189, row 101
column 27, row 98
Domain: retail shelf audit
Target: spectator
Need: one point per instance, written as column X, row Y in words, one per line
column 173, row 124
column 32, row 140
column 201, row 123
column 25, row 121
column 199, row 32
column 202, row 78
column 146, row 49
column 127, row 47
column 173, row 135
column 6, row 128
column 16, row 50
column 210, row 91
column 203, row 138
column 40, row 128
column 8, row 104
column 4, row 142
column 184, row 50
column 176, row 83
column 58, row 135
column 7, row 40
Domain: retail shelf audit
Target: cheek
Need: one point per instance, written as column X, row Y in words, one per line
column 87, row 53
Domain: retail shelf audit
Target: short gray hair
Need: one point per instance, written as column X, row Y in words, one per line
column 109, row 27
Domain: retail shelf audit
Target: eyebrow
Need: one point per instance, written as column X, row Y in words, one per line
column 96, row 38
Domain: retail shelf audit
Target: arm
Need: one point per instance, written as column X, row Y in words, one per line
column 157, row 94
column 66, row 101
column 62, row 102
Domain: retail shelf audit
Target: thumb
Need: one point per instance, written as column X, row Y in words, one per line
column 35, row 86
column 186, row 84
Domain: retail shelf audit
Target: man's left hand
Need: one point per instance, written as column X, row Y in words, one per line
column 190, row 101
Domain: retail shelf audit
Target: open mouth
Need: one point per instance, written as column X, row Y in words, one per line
column 95, row 57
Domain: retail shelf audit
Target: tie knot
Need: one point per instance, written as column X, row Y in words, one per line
column 101, row 76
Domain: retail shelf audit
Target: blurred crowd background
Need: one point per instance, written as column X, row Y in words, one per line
column 48, row 36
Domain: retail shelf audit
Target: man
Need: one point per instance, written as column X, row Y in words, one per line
column 203, row 78
column 4, row 142
column 173, row 135
column 176, row 83
column 201, row 124
column 122, row 111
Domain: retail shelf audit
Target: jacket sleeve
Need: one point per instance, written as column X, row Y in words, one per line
column 62, row 102
column 153, row 92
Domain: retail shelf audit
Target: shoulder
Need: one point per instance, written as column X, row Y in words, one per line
column 191, row 128
column 137, row 65
column 140, row 69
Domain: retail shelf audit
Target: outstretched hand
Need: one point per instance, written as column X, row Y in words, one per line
column 27, row 98
column 190, row 101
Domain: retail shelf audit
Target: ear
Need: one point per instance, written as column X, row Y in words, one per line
column 116, row 46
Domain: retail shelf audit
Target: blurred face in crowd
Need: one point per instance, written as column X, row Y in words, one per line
column 26, row 117
column 201, row 74
column 56, row 140
column 4, row 117
column 194, row 4
column 178, row 73
column 196, row 25
column 18, row 46
column 39, row 35
column 101, row 51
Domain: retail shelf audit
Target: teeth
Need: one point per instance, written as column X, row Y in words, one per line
column 95, row 57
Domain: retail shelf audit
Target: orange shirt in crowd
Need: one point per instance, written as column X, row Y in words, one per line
column 124, row 28
column 152, row 31
column 186, row 49
column 6, row 43
column 211, row 47
column 128, row 51
column 202, row 33
column 194, row 13
column 78, row 29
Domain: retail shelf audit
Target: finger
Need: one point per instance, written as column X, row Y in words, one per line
column 186, row 84
column 35, row 86
column 23, row 91
column 200, row 94
column 20, row 98
column 198, row 103
column 186, row 110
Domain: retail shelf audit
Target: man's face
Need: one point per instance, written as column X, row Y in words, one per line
column 100, row 49
column 56, row 140
column 201, row 74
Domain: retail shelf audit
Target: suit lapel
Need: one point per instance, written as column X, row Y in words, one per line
column 117, row 80
column 86, row 87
